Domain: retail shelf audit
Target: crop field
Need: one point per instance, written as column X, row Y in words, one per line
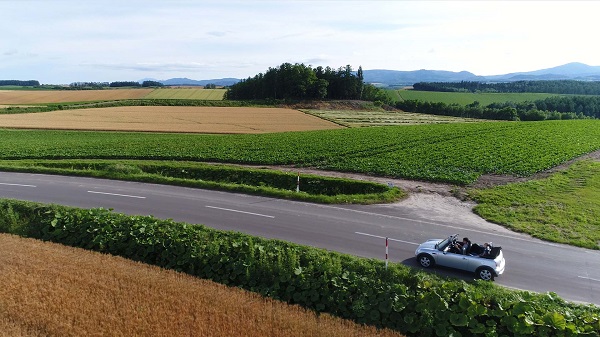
column 187, row 93
column 171, row 119
column 47, row 289
column 464, row 98
column 353, row 118
column 457, row 153
column 63, row 96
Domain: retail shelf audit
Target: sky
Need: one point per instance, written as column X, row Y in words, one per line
column 65, row 41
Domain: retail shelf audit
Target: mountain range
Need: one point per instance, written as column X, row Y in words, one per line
column 396, row 78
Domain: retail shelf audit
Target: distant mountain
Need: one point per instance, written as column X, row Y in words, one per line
column 569, row 71
column 402, row 78
column 397, row 78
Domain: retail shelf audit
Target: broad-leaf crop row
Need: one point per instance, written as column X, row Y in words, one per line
column 457, row 153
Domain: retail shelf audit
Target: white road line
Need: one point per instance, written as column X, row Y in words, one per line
column 237, row 211
column 383, row 237
column 21, row 185
column 589, row 278
column 448, row 226
column 118, row 195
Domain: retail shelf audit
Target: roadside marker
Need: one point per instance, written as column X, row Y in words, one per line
column 386, row 252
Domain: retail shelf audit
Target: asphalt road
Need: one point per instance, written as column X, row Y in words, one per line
column 531, row 264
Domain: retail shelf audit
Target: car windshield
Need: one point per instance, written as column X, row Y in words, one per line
column 443, row 244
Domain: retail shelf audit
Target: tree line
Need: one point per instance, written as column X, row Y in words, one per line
column 116, row 84
column 299, row 81
column 551, row 108
column 571, row 87
column 30, row 83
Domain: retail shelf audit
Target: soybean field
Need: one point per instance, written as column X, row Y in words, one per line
column 456, row 153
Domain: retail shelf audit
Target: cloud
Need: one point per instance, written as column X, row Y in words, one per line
column 153, row 67
column 217, row 33
column 172, row 67
column 10, row 52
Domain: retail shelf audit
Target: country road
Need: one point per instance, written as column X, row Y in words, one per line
column 573, row 273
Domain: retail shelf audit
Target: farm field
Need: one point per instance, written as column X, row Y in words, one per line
column 171, row 119
column 63, row 96
column 187, row 93
column 47, row 289
column 353, row 118
column 464, row 98
column 455, row 153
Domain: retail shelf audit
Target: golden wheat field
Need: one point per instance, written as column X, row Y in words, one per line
column 48, row 289
column 171, row 119
column 62, row 96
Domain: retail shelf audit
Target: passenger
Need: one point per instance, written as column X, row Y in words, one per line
column 487, row 248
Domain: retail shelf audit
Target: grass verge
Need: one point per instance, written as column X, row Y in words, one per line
column 258, row 181
column 564, row 207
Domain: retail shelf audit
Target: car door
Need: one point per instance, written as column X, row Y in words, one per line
column 453, row 260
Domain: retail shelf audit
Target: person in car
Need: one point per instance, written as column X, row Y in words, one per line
column 487, row 248
column 462, row 247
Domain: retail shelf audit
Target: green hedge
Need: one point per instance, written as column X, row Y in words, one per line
column 410, row 301
column 222, row 177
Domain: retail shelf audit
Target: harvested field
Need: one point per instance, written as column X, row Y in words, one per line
column 187, row 93
column 63, row 96
column 171, row 119
column 48, row 289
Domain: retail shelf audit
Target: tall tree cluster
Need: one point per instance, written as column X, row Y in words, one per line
column 30, row 83
column 299, row 81
column 118, row 84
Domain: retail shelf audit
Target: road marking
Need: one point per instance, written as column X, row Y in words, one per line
column 383, row 237
column 451, row 226
column 589, row 278
column 21, row 185
column 118, row 195
column 237, row 211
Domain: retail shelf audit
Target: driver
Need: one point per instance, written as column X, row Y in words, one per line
column 462, row 247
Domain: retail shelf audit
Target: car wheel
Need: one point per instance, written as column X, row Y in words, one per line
column 425, row 260
column 486, row 274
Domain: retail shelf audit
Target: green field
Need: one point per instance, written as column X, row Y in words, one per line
column 187, row 93
column 464, row 98
column 456, row 153
column 562, row 208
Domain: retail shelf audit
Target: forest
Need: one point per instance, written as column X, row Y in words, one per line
column 567, row 87
column 551, row 108
column 31, row 83
column 299, row 81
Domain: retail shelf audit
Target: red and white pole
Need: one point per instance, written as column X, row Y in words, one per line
column 298, row 184
column 386, row 252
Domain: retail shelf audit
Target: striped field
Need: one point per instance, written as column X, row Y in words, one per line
column 63, row 96
column 12, row 97
column 187, row 93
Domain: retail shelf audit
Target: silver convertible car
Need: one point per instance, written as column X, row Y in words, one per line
column 485, row 263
